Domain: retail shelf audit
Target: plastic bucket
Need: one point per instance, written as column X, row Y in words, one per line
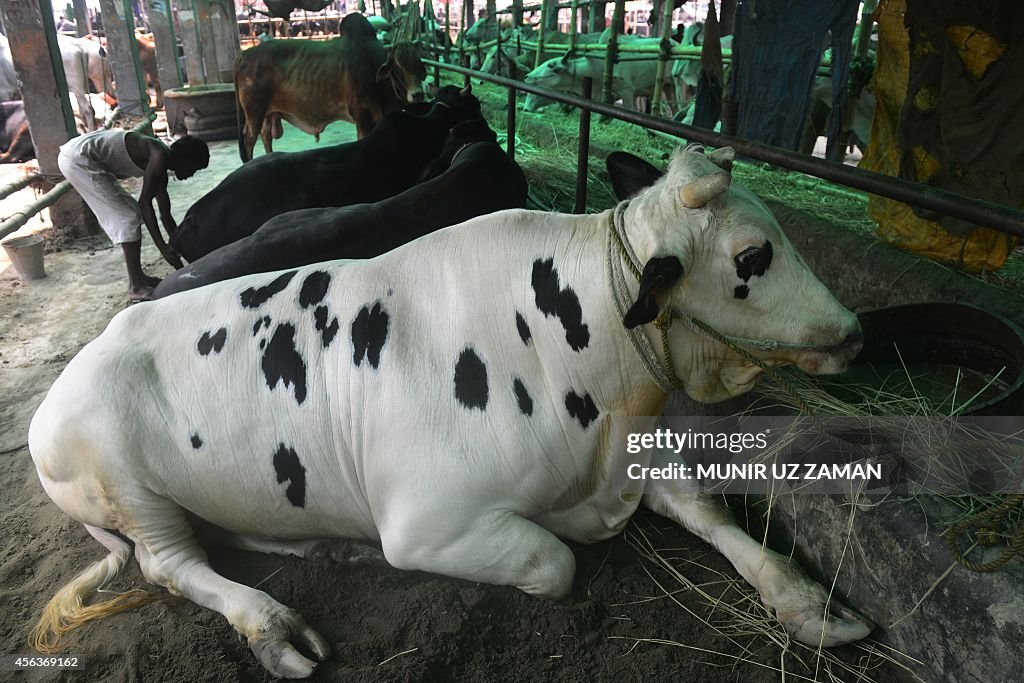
column 26, row 254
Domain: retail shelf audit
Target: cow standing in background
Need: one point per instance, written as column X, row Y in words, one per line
column 311, row 84
column 632, row 78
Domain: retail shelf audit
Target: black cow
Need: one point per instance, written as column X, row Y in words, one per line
column 15, row 139
column 389, row 160
column 471, row 177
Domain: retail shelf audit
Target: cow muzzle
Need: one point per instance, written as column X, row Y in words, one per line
column 831, row 360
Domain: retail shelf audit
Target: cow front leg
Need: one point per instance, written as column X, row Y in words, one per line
column 499, row 548
column 803, row 606
column 170, row 556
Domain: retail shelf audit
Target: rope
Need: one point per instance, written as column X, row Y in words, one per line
column 995, row 514
column 664, row 375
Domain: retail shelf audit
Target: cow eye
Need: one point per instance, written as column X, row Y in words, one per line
column 748, row 256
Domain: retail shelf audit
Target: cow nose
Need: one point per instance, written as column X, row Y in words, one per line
column 854, row 342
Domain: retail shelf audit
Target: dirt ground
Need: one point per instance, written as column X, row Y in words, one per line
column 382, row 624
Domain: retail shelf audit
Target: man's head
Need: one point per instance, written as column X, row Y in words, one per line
column 188, row 155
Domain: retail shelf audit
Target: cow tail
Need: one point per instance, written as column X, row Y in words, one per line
column 66, row 610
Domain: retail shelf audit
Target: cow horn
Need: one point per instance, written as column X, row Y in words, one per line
column 723, row 157
column 699, row 192
column 467, row 91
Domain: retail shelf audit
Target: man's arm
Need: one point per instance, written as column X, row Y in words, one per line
column 163, row 203
column 154, row 186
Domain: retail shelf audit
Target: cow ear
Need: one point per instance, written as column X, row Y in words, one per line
column 659, row 275
column 723, row 157
column 630, row 174
column 384, row 71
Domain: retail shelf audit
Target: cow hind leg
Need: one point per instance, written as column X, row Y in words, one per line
column 503, row 549
column 808, row 612
column 171, row 556
column 343, row 550
column 252, row 127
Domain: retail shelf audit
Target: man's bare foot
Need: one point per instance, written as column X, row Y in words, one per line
column 143, row 293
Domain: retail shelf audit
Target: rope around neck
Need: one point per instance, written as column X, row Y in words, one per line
column 662, row 369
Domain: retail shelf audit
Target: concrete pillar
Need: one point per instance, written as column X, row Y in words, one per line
column 83, row 26
column 123, row 50
column 210, row 34
column 161, row 20
column 225, row 35
column 44, row 90
column 204, row 27
column 189, row 23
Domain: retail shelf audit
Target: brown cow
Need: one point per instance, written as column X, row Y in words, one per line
column 311, row 84
column 147, row 59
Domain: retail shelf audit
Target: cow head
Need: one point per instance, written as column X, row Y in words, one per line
column 461, row 136
column 404, row 72
column 713, row 251
column 555, row 74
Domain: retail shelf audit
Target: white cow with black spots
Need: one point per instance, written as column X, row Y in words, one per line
column 486, row 363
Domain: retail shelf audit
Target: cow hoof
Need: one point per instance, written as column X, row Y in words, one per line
column 817, row 625
column 278, row 656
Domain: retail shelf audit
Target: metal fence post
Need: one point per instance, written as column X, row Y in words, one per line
column 583, row 150
column 511, row 127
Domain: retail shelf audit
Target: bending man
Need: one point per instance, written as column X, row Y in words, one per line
column 93, row 163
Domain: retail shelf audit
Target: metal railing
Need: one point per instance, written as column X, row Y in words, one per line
column 977, row 211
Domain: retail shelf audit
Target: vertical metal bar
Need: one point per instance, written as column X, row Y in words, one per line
column 612, row 56
column 447, row 29
column 511, row 125
column 666, row 33
column 583, row 151
column 540, row 37
column 572, row 26
column 465, row 65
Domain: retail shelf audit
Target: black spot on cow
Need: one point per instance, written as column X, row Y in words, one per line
column 290, row 469
column 283, row 363
column 254, row 297
column 524, row 329
column 390, row 291
column 581, row 407
column 471, row 380
column 263, row 344
column 214, row 342
column 326, row 331
column 522, row 397
column 260, row 323
column 369, row 332
column 563, row 304
column 197, row 443
column 314, row 288
column 741, row 292
column 753, row 261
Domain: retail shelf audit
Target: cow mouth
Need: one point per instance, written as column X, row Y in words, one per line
column 826, row 360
